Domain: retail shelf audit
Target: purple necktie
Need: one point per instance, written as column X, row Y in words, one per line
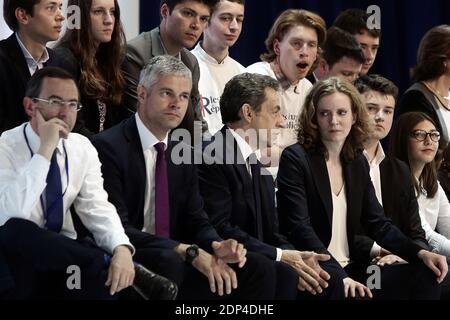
column 162, row 210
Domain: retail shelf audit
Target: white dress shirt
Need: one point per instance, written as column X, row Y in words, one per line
column 246, row 150
column 376, row 181
column 33, row 65
column 148, row 141
column 435, row 217
column 338, row 246
column 23, row 181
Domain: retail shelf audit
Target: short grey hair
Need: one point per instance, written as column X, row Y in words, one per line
column 163, row 65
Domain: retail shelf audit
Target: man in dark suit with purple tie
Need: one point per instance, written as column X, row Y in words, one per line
column 159, row 202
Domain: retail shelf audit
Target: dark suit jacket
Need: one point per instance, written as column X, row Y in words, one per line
column 227, row 190
column 14, row 75
column 419, row 99
column 139, row 52
column 305, row 206
column 399, row 204
column 88, row 118
column 123, row 168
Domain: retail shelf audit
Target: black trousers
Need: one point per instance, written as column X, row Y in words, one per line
column 39, row 259
column 256, row 280
column 6, row 281
column 288, row 282
column 400, row 281
column 445, row 287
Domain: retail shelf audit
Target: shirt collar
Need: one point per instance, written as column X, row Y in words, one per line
column 35, row 141
column 206, row 56
column 178, row 56
column 379, row 156
column 148, row 139
column 243, row 146
column 29, row 58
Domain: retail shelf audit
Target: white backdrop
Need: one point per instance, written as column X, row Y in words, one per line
column 129, row 10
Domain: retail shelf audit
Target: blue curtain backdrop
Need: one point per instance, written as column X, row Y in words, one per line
column 403, row 23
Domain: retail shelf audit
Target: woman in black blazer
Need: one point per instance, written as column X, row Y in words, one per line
column 327, row 160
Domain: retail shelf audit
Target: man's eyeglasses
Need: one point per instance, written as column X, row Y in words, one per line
column 58, row 103
column 421, row 135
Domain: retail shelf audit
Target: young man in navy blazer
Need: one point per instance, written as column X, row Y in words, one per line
column 34, row 23
column 159, row 202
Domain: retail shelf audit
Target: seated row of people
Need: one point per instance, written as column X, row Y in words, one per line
column 211, row 229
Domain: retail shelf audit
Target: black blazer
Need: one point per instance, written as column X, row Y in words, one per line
column 414, row 100
column 399, row 204
column 14, row 75
column 123, row 168
column 88, row 119
column 227, row 190
column 305, row 205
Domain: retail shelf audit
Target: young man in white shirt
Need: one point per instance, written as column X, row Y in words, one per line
column 44, row 170
column 212, row 53
column 34, row 23
column 293, row 46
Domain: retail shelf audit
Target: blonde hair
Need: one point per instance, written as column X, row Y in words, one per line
column 291, row 18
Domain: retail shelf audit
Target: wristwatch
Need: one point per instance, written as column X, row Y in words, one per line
column 191, row 253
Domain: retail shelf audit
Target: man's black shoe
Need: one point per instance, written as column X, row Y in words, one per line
column 152, row 286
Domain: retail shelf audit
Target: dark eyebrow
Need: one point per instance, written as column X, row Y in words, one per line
column 60, row 98
column 53, row 96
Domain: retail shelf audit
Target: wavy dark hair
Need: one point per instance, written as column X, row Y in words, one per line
column 101, row 76
column 308, row 132
column 399, row 148
column 434, row 50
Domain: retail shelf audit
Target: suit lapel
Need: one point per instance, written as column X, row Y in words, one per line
column 239, row 164
column 18, row 59
column 353, row 194
column 136, row 165
column 157, row 45
column 322, row 182
column 173, row 177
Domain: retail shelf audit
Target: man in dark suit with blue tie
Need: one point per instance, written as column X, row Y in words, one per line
column 239, row 197
column 159, row 202
column 34, row 23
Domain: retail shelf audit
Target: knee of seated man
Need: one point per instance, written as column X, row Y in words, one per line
column 15, row 227
column 259, row 265
column 336, row 281
column 170, row 265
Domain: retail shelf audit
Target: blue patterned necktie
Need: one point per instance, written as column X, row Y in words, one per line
column 54, row 197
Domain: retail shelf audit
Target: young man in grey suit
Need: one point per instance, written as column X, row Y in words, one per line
column 182, row 23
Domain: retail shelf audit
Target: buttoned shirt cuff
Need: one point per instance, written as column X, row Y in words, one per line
column 123, row 242
column 279, row 254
